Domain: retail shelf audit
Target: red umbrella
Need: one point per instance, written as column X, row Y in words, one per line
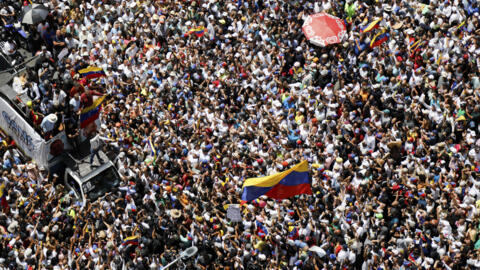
column 323, row 29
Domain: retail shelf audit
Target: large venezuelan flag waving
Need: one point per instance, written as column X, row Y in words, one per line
column 131, row 240
column 91, row 113
column 92, row 72
column 279, row 186
column 373, row 25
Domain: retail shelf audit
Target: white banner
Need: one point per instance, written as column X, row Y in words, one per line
column 25, row 137
column 62, row 54
column 234, row 213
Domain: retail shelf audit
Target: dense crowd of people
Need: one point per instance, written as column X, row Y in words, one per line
column 390, row 133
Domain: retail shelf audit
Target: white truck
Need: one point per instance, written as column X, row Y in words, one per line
column 87, row 181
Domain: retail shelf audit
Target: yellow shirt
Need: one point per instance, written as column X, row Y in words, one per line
column 299, row 118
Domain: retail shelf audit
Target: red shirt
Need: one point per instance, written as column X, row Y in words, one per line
column 76, row 89
column 87, row 100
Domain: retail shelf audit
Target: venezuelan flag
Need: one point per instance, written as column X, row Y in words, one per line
column 379, row 39
column 439, row 59
column 91, row 113
column 279, row 186
column 462, row 29
column 2, row 187
column 3, row 198
column 261, row 230
column 293, row 234
column 416, row 45
column 411, row 40
column 198, row 31
column 132, row 240
column 152, row 148
column 91, row 72
column 371, row 26
column 411, row 257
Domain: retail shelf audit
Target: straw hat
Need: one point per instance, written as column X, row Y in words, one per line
column 397, row 25
column 441, row 144
column 175, row 213
column 394, row 144
column 102, row 234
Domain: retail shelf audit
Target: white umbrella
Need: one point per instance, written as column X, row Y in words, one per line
column 320, row 251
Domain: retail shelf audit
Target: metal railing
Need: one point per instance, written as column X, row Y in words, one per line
column 14, row 68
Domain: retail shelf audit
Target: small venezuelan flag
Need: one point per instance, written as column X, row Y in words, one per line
column 3, row 198
column 131, row 240
column 91, row 72
column 261, row 230
column 279, row 186
column 371, row 26
column 293, row 234
column 379, row 39
column 416, row 45
column 91, row 113
column 153, row 151
column 198, row 31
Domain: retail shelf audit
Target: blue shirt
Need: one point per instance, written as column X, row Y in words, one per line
column 288, row 105
column 360, row 48
column 293, row 137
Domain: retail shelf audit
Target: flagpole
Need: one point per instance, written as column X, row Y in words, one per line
column 173, row 262
column 187, row 253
